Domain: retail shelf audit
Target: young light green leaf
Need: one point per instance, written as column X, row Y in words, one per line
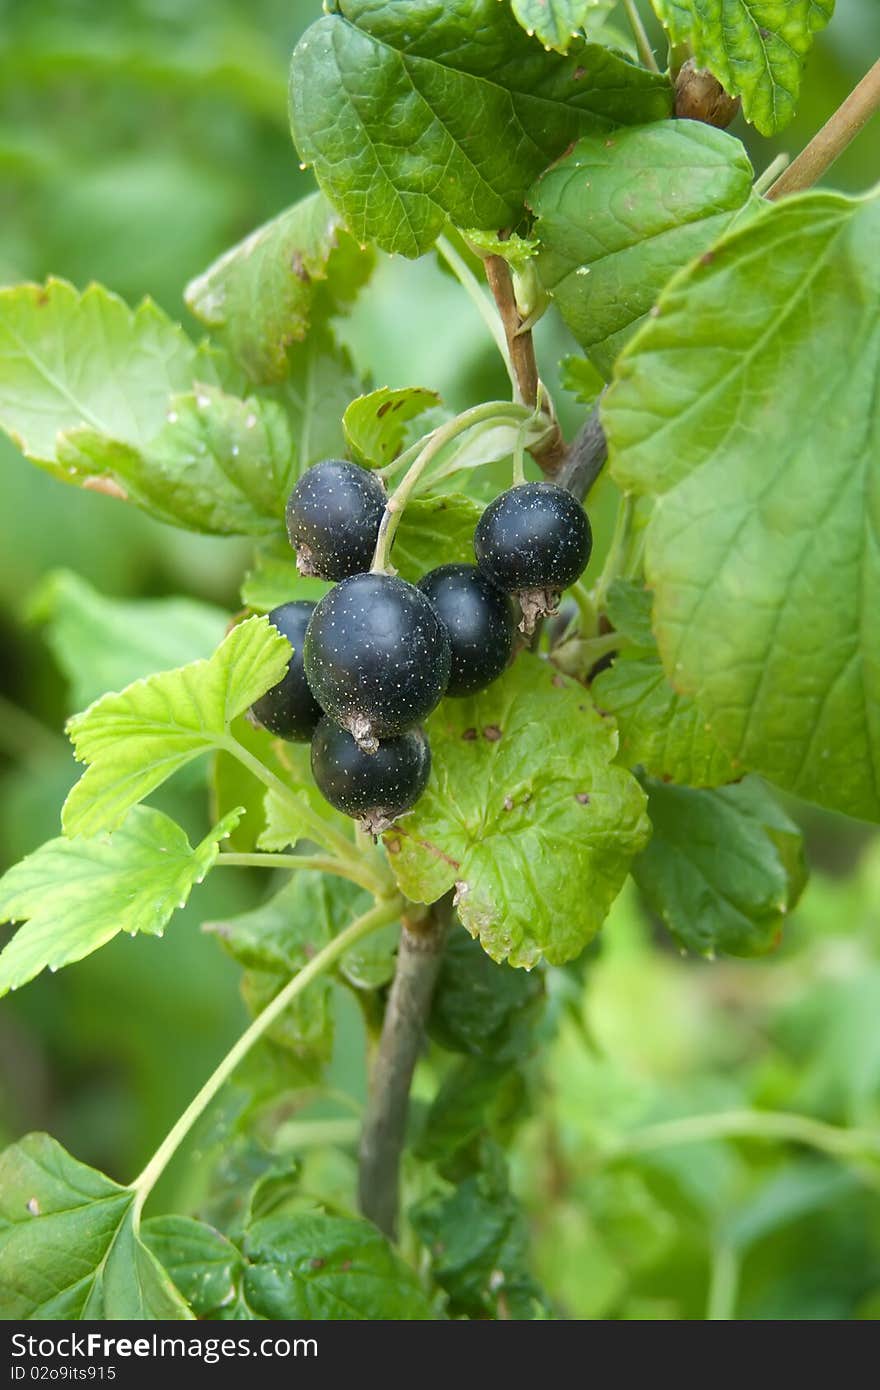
column 433, row 531
column 763, row 560
column 68, row 1248
column 525, row 814
column 74, row 896
column 722, row 868
column 375, row 425
column 328, row 1267
column 477, row 111
column 204, row 1265
column 619, row 214
column 262, row 293
column 756, row 48
column 557, row 22
column 287, row 820
column 134, row 741
column 518, row 251
column 105, row 643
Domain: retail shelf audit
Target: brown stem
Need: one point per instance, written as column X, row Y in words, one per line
column 522, row 355
column 837, row 132
column 384, row 1130
column 585, row 457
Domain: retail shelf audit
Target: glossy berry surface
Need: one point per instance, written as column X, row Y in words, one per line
column 289, row 709
column 333, row 517
column 535, row 536
column 375, row 788
column 377, row 657
column 479, row 619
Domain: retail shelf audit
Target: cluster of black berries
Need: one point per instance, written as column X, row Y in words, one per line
column 376, row 655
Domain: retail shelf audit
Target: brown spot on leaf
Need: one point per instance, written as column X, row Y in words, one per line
column 392, row 844
column 383, row 409
column 492, row 733
column 508, row 803
column 558, row 681
column 297, row 265
column 108, row 486
column 469, row 735
column 707, row 258
column 578, row 74
column 42, row 299
column 317, row 1263
column 582, row 798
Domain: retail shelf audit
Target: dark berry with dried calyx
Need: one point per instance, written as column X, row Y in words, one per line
column 534, row 541
column 479, row 619
column 333, row 517
column 374, row 788
column 377, row 657
column 289, row 710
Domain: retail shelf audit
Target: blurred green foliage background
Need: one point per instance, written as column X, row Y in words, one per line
column 137, row 141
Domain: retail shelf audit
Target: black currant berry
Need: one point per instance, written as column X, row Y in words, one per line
column 289, row 709
column 376, row 656
column 479, row 619
column 333, row 517
column 534, row 541
column 374, row 788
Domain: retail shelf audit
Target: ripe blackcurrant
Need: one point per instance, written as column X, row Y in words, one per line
column 376, row 656
column 333, row 517
column 374, row 788
column 289, row 709
column 479, row 619
column 534, row 540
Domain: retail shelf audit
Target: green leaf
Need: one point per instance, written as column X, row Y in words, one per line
column 76, row 895
column 273, row 578
column 284, row 824
column 220, row 464
column 557, row 22
column 261, row 295
column 320, row 384
column 68, row 1248
column 475, row 109
column 756, row 48
column 477, row 1102
column 722, row 868
column 763, row 559
column 620, row 214
column 579, row 376
column 482, row 1009
column 135, row 740
column 436, row 531
column 478, row 1243
column 105, row 643
column 525, row 814
column 328, row 1268
column 204, row 1265
column 375, row 425
column 661, row 731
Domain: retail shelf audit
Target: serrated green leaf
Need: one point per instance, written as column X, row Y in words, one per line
column 375, row 425
column 756, row 48
column 620, row 214
column 763, row 559
column 518, row 251
column 219, row 464
column 435, row 531
column 205, row 1267
column 68, row 1248
column 525, row 814
column 328, row 1267
column 74, row 896
column 478, row 1101
column 723, row 866
column 134, row 741
column 232, row 784
column 482, row 1009
column 477, row 111
column 478, row 1243
column 557, row 22
column 261, row 294
column 104, row 643
column 321, row 382
column 579, row 376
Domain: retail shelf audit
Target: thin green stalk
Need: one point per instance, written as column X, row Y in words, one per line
column 471, row 285
column 616, row 551
column 396, row 504
column 320, row 863
column 387, row 910
column 771, row 173
column 779, row 1125
column 643, row 43
column 323, row 831
column 519, row 460
column 723, row 1284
